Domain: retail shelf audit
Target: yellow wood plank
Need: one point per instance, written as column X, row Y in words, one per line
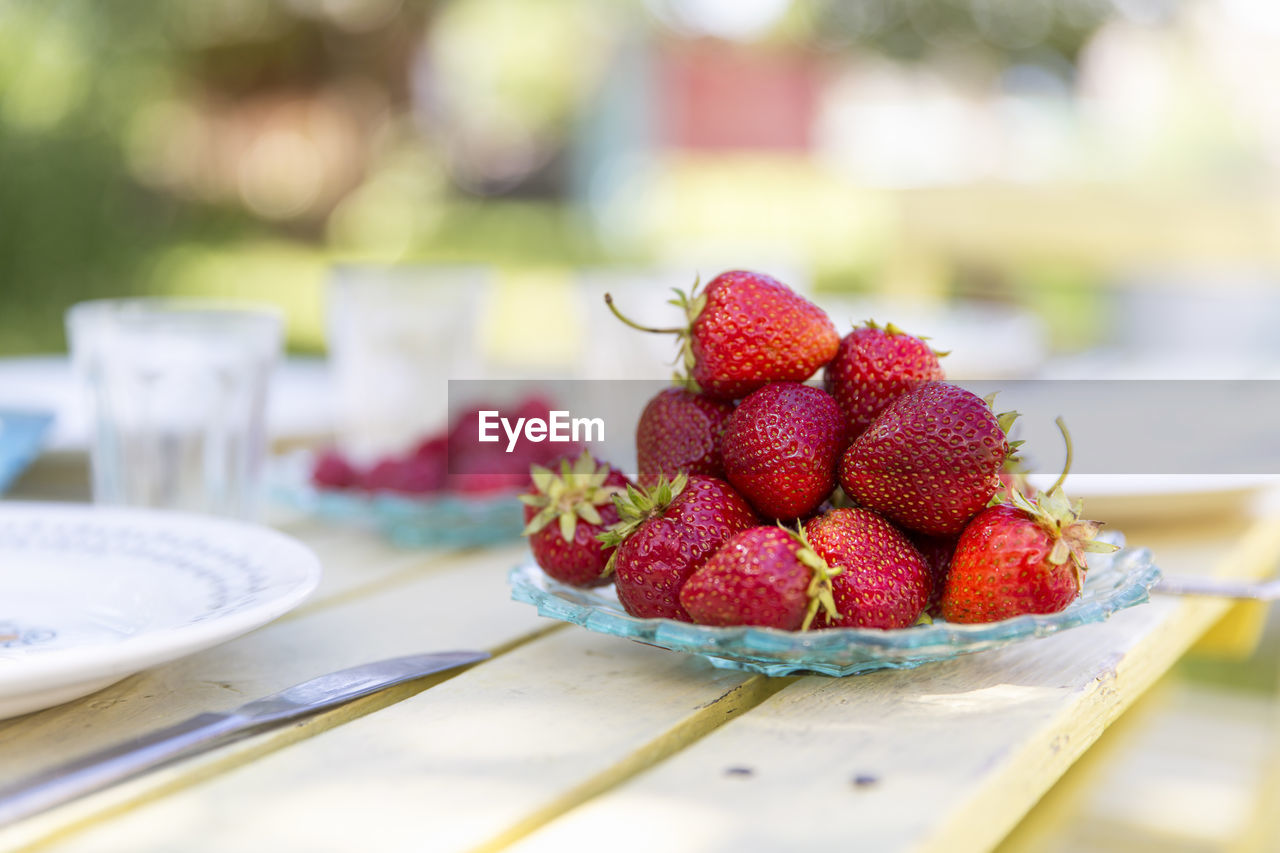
column 1237, row 634
column 465, row 604
column 1051, row 818
column 1067, row 686
column 946, row 757
column 354, row 560
column 498, row 750
column 1192, row 776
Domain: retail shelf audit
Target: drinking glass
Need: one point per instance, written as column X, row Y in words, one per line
column 397, row 334
column 177, row 393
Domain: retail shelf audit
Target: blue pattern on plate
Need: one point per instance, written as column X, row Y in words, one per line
column 1114, row 582
column 21, row 437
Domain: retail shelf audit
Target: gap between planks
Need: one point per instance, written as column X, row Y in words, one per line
column 1011, row 779
column 1254, row 558
column 406, row 777
column 686, row 733
column 711, row 716
column 185, row 773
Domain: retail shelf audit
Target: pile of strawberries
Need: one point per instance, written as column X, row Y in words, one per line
column 450, row 461
column 877, row 501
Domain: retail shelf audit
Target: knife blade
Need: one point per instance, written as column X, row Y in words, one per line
column 59, row 785
column 1264, row 590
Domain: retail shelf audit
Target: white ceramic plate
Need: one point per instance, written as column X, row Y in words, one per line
column 89, row 595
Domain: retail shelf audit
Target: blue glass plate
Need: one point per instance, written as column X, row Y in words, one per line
column 1114, row 582
column 445, row 521
column 21, row 436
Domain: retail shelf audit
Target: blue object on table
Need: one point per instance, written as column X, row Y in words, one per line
column 428, row 521
column 21, row 436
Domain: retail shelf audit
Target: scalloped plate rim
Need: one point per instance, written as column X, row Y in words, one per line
column 528, row 581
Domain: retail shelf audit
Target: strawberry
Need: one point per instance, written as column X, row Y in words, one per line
column 879, row 579
column 476, row 467
column 765, row 576
column 679, row 430
column 937, row 552
column 385, row 475
column 746, row 330
column 566, row 512
column 874, row 366
column 781, row 446
column 434, row 447
column 332, row 470
column 490, row 472
column 1020, row 558
column 665, row 534
column 930, row 461
column 463, row 437
column 418, row 476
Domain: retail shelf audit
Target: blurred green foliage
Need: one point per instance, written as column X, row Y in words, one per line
column 77, row 223
column 131, row 132
column 74, row 224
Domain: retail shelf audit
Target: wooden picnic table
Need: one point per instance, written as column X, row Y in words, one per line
column 568, row 740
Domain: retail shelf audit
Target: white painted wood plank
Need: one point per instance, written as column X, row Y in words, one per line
column 971, row 735
column 508, row 743
column 1194, row 777
column 949, row 755
column 464, row 604
column 354, row 559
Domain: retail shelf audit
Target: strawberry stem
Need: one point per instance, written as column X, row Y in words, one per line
column 820, row 592
column 608, row 300
column 1066, row 467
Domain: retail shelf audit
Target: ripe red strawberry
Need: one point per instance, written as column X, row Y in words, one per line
column 679, row 430
column 332, row 470
column 665, row 534
column 476, row 467
column 434, row 447
column 882, row 581
column 565, row 512
column 937, row 552
column 930, row 461
column 874, row 366
column 1020, row 558
column 711, row 510
column 765, row 576
column 781, row 447
column 746, row 330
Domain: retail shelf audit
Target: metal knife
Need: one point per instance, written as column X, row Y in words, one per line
column 115, row 764
column 1266, row 590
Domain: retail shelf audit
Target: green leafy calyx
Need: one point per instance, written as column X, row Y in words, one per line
column 1072, row 536
column 892, row 329
column 1005, row 421
column 639, row 505
column 820, row 592
column 568, row 495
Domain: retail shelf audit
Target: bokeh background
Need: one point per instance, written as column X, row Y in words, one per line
column 1049, row 188
column 1094, row 180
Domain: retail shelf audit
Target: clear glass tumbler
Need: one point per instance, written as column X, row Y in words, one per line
column 177, row 393
column 397, row 335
